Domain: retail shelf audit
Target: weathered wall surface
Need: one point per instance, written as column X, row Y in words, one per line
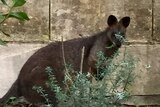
column 12, row 58
column 52, row 19
column 85, row 17
column 156, row 20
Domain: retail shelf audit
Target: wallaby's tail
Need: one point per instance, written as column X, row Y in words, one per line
column 13, row 91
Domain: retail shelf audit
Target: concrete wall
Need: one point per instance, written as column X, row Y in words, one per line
column 52, row 19
column 12, row 58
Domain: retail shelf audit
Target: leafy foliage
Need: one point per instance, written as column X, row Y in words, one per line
column 4, row 2
column 18, row 15
column 42, row 92
column 17, row 3
column 11, row 13
column 81, row 92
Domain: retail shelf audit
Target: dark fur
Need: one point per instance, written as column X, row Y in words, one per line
column 33, row 71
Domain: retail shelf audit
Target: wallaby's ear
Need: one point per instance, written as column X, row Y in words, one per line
column 125, row 21
column 112, row 20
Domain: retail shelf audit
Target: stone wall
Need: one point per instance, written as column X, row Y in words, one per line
column 52, row 19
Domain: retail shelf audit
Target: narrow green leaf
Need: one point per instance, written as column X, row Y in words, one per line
column 17, row 3
column 19, row 15
column 4, row 2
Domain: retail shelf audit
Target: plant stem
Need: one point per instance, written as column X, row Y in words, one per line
column 82, row 58
column 10, row 10
column 126, row 83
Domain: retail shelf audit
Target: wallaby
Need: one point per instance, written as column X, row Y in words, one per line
column 33, row 71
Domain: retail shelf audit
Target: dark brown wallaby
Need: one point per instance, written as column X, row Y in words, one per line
column 33, row 71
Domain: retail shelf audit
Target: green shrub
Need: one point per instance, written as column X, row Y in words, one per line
column 81, row 92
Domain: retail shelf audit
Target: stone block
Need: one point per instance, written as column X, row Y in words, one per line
column 12, row 58
column 146, row 85
column 143, row 101
column 140, row 12
column 74, row 19
column 147, row 69
column 156, row 5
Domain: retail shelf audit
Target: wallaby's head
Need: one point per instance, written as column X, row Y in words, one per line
column 117, row 30
column 115, row 36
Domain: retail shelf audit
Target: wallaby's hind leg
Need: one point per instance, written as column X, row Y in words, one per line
column 37, row 77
